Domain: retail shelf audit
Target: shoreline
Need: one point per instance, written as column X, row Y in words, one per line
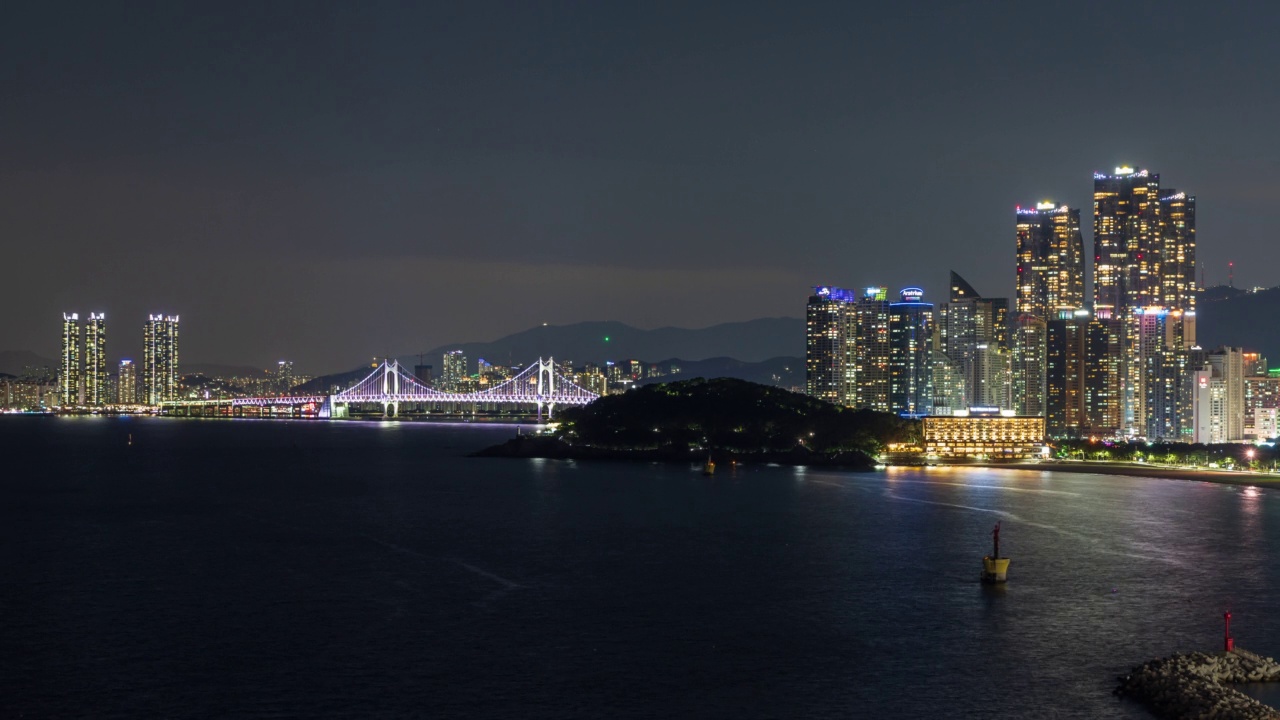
column 1158, row 472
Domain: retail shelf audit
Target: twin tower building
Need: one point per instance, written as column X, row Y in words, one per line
column 1122, row 362
column 83, row 378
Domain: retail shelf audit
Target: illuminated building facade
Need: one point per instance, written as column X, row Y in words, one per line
column 863, row 351
column 984, row 433
column 284, row 379
column 591, row 380
column 453, row 371
column 160, row 359
column 1029, row 365
column 1178, row 251
column 69, row 377
column 95, row 360
column 1126, row 241
column 1260, row 391
column 1104, row 376
column 1082, row 376
column 868, row 331
column 975, row 339
column 1144, row 257
column 126, row 383
column 1265, row 424
column 948, row 387
column 1218, row 398
column 1050, row 260
column 1065, row 414
column 826, row 325
column 1255, row 365
column 1162, row 404
column 910, row 354
column 612, row 371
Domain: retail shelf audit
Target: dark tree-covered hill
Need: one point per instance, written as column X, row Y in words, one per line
column 728, row 414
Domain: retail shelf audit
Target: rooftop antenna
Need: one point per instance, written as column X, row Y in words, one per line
column 1231, row 274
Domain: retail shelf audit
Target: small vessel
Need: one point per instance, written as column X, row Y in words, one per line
column 995, row 569
column 708, row 468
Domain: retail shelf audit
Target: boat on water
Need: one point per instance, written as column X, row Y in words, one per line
column 708, row 468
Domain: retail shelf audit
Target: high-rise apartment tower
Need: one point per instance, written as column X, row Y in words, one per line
column 69, row 377
column 160, row 359
column 1050, row 261
column 95, row 360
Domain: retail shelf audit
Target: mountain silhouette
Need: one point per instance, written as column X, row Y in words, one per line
column 750, row 341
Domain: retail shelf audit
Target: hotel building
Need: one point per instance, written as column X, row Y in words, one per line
column 984, row 433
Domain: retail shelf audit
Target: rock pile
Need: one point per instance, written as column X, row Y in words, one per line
column 1198, row 685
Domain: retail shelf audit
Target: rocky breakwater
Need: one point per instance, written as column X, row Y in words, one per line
column 1198, row 685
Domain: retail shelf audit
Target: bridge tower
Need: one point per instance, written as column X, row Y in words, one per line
column 390, row 386
column 546, row 386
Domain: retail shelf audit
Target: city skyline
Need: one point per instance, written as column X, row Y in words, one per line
column 631, row 173
column 1121, row 361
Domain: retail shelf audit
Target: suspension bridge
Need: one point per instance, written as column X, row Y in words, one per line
column 390, row 386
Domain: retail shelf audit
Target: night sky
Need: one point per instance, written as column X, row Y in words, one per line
column 329, row 182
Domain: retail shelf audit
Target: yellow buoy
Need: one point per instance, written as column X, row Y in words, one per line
column 995, row 569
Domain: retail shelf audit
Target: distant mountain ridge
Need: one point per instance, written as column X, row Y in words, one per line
column 12, row 362
column 748, row 341
column 783, row 372
column 1240, row 318
column 223, row 371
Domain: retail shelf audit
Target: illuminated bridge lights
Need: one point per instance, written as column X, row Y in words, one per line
column 389, row 384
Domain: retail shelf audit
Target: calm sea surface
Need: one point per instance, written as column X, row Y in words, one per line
column 305, row 569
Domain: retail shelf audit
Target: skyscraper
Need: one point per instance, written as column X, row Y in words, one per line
column 1082, row 376
column 1126, row 241
column 160, row 359
column 975, row 338
column 69, row 377
column 1178, row 253
column 826, row 324
column 1161, row 356
column 868, row 344
column 284, row 376
column 1029, row 366
column 1050, row 261
column 95, row 360
column 1144, row 254
column 453, row 371
column 1218, row 397
column 910, row 354
column 127, row 383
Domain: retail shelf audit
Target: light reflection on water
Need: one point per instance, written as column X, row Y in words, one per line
column 308, row 561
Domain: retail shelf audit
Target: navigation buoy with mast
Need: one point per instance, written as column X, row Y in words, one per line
column 995, row 569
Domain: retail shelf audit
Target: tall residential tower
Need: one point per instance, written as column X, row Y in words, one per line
column 1126, row 241
column 160, row 359
column 95, row 360
column 1050, row 261
column 825, row 328
column 69, row 377
column 911, row 354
